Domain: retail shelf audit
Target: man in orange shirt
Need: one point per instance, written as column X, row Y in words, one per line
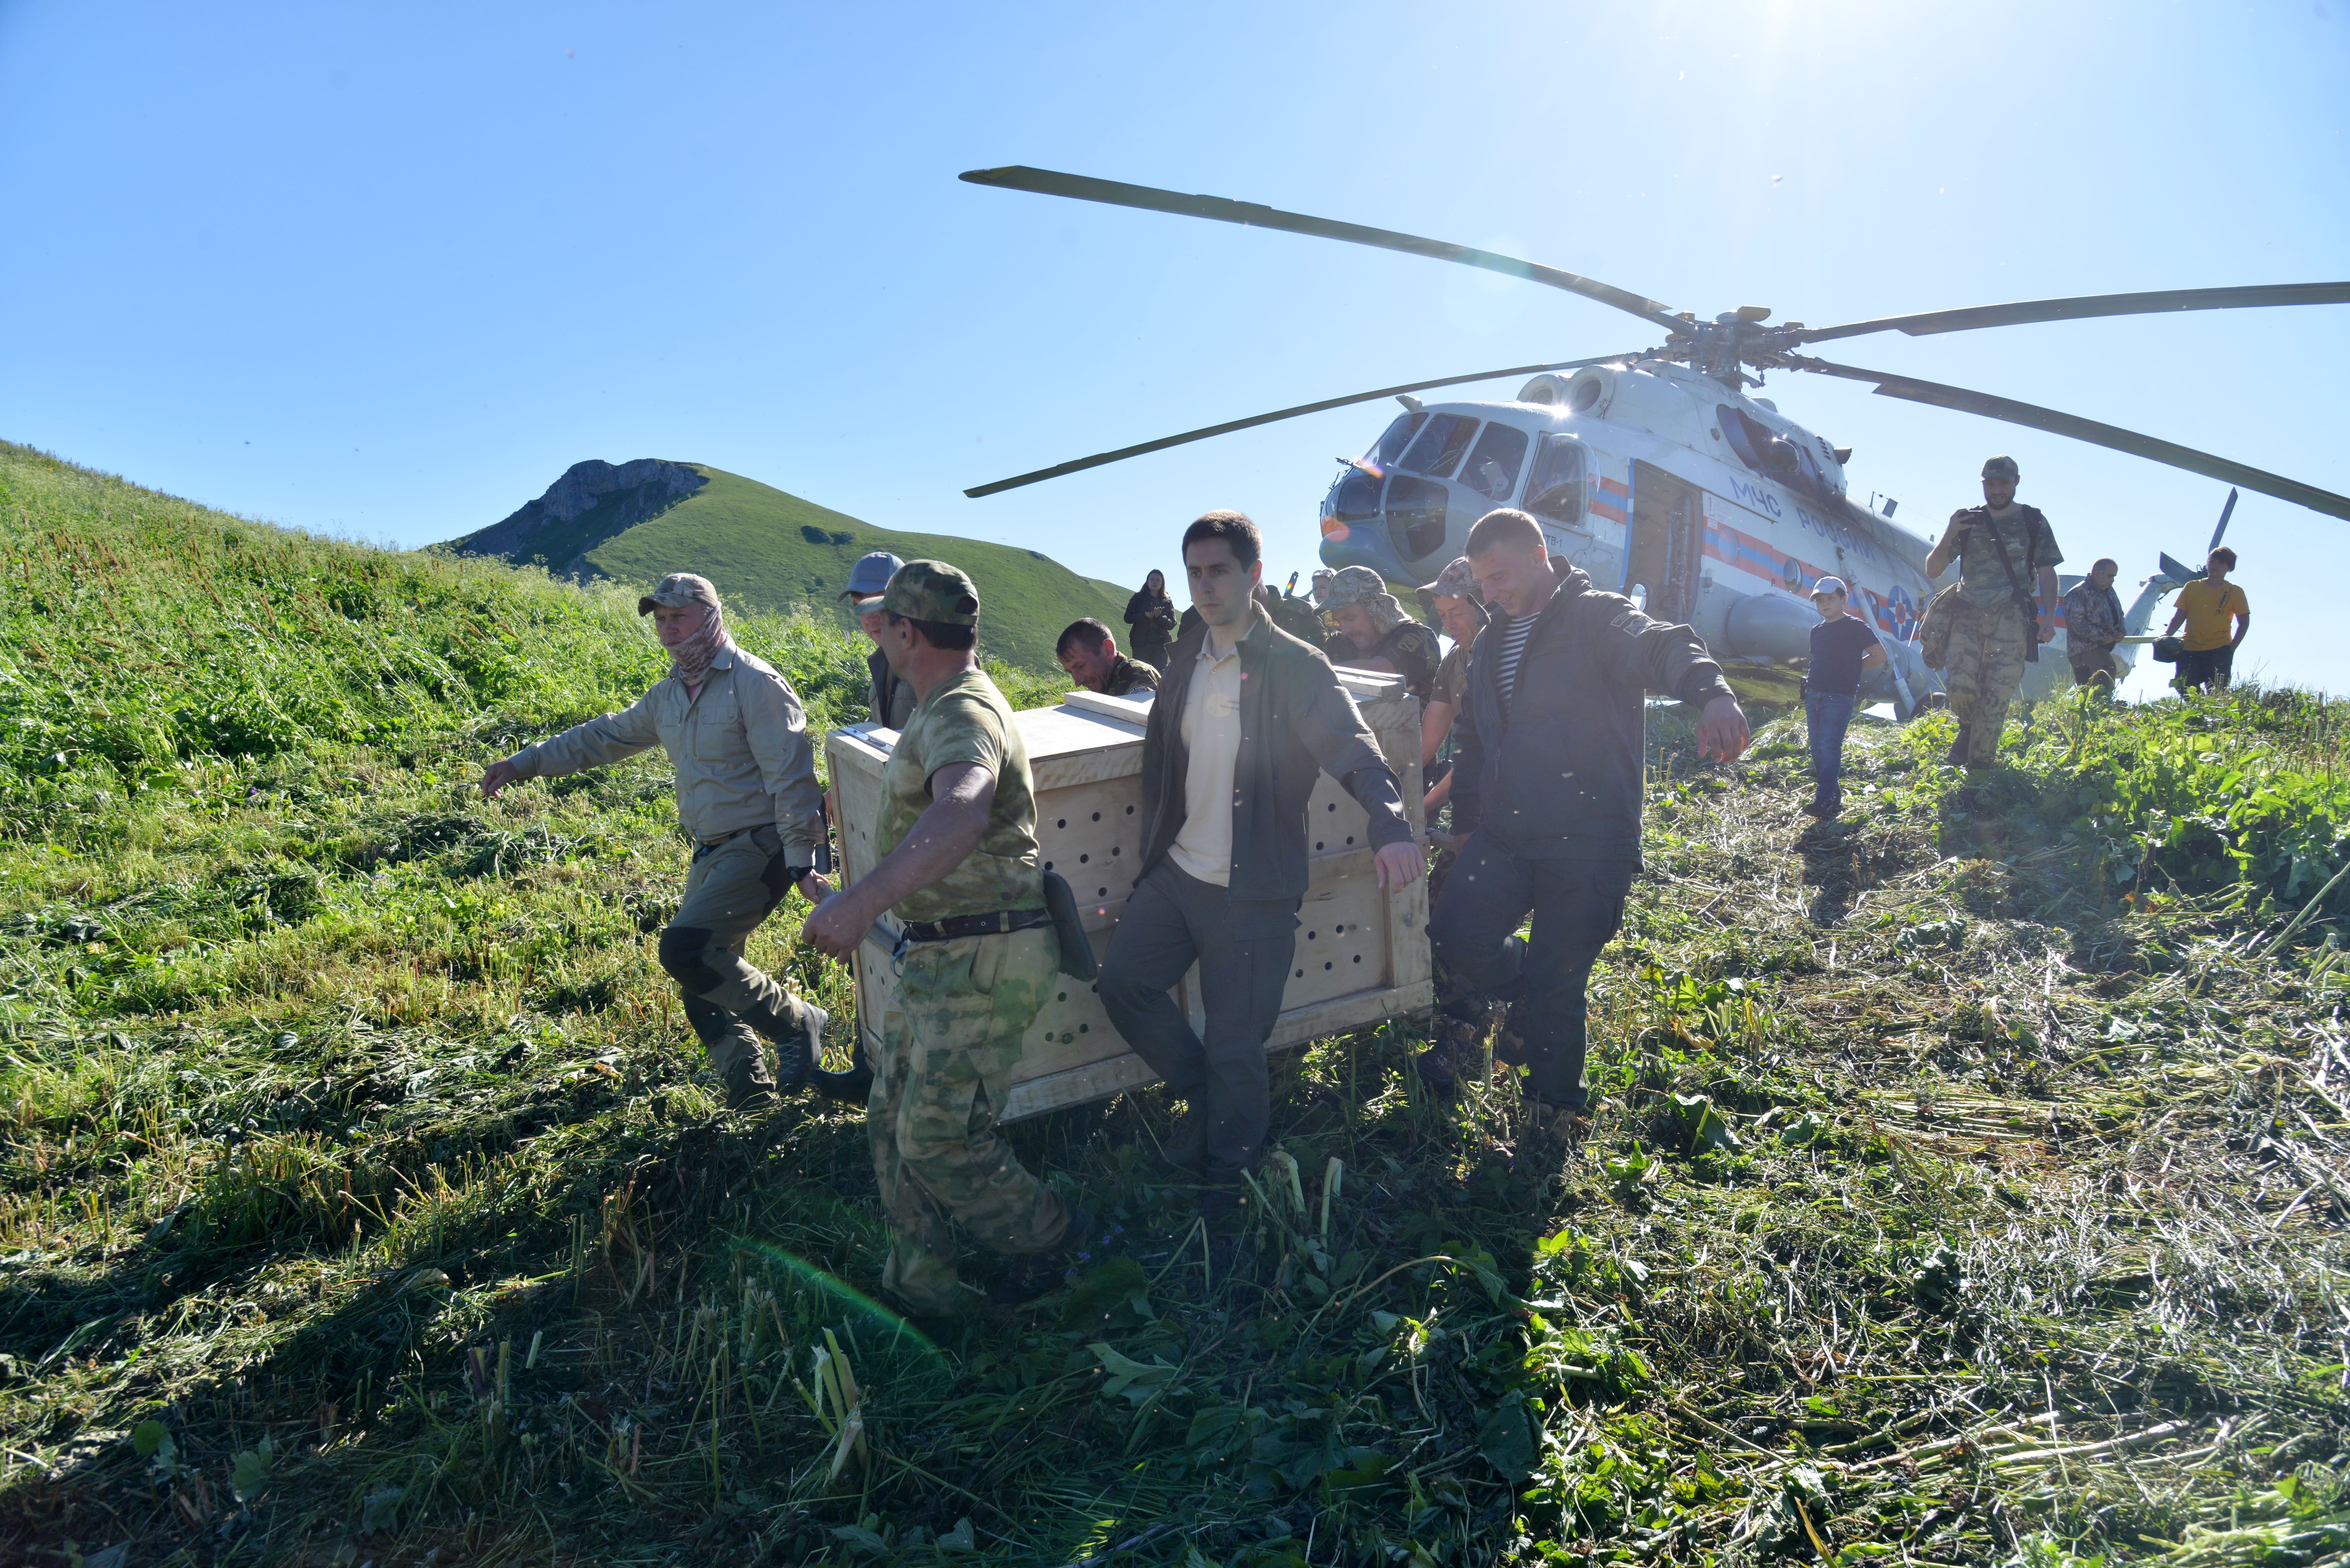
column 2206, row 605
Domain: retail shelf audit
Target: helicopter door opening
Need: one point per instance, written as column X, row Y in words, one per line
column 1664, row 544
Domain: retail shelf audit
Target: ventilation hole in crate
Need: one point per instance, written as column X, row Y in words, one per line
column 1325, row 966
column 1338, row 930
column 1301, row 974
column 1097, row 816
column 1332, row 806
column 1116, row 850
column 1101, row 892
column 1062, row 822
column 1358, row 958
column 1311, row 935
column 1085, row 1028
column 1067, row 1037
column 1317, row 844
column 1129, row 811
column 1048, row 865
column 1063, row 997
column 1083, row 858
column 1351, row 838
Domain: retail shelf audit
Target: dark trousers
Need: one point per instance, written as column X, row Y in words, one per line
column 1243, row 950
column 2094, row 666
column 1576, row 905
column 2205, row 669
column 1826, row 716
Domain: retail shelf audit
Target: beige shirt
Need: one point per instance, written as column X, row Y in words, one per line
column 740, row 747
column 1211, row 737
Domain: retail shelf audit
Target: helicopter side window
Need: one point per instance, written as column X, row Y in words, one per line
column 1768, row 453
column 1440, row 445
column 1555, row 491
column 1397, row 436
column 1492, row 469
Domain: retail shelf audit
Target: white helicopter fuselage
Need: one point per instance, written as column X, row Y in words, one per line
column 1708, row 506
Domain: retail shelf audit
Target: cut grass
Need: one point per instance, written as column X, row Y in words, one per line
column 363, row 1198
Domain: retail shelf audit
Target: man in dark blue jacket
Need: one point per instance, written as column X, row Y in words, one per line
column 1546, row 790
column 1247, row 717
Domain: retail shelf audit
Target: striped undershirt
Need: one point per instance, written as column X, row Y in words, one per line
column 1514, row 645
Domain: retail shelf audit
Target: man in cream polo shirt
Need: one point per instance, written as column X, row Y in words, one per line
column 1247, row 717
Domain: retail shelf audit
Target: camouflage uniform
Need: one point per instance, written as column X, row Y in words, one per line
column 1986, row 659
column 951, row 1031
column 1129, row 676
column 1994, row 633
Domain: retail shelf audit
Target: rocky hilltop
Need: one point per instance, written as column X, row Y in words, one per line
column 766, row 549
column 591, row 502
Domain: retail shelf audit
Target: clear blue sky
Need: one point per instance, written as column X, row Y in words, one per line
column 387, row 271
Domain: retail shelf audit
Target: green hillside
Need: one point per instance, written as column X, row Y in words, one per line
column 770, row 550
column 1968, row 1183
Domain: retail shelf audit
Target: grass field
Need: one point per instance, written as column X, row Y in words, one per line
column 1969, row 1187
column 767, row 549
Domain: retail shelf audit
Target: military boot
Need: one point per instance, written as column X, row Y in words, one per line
column 1957, row 756
column 851, row 1087
column 1033, row 1274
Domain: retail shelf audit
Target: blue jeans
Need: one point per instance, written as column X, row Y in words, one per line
column 1827, row 715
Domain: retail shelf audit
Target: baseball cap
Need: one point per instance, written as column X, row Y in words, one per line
column 678, row 590
column 2001, row 468
column 1830, row 585
column 931, row 591
column 870, row 575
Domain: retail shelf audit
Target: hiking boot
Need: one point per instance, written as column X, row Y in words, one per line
column 1186, row 1147
column 1034, row 1274
column 1458, row 1050
column 852, row 1088
column 748, row 1085
column 1957, row 756
column 1820, row 809
column 797, row 1049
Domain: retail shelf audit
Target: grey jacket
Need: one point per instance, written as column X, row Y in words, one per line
column 1296, row 722
column 739, row 748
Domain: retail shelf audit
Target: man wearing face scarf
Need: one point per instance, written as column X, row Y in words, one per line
column 746, row 794
column 1374, row 632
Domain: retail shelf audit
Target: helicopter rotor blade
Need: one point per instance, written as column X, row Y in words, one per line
column 2090, row 431
column 2027, row 310
column 2220, row 532
column 1251, row 214
column 1098, row 459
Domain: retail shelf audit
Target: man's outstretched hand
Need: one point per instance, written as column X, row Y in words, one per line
column 497, row 775
column 1723, row 732
column 1398, row 865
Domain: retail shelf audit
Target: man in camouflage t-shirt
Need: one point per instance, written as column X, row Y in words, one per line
column 961, row 870
column 2007, row 601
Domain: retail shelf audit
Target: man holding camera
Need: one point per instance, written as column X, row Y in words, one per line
column 2005, row 552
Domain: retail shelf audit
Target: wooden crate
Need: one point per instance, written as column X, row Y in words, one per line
column 1362, row 952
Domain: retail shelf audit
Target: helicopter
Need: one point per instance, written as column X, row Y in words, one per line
column 1655, row 471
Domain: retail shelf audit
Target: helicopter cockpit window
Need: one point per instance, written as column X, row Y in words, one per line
column 1555, row 491
column 1440, row 445
column 1492, row 469
column 1397, row 436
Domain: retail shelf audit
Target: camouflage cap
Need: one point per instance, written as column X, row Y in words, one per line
column 932, row 591
column 1457, row 581
column 678, row 590
column 1361, row 585
column 2001, row 468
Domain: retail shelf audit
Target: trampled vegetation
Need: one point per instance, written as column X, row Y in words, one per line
column 1970, row 1186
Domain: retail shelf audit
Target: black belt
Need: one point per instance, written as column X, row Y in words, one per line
column 995, row 922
